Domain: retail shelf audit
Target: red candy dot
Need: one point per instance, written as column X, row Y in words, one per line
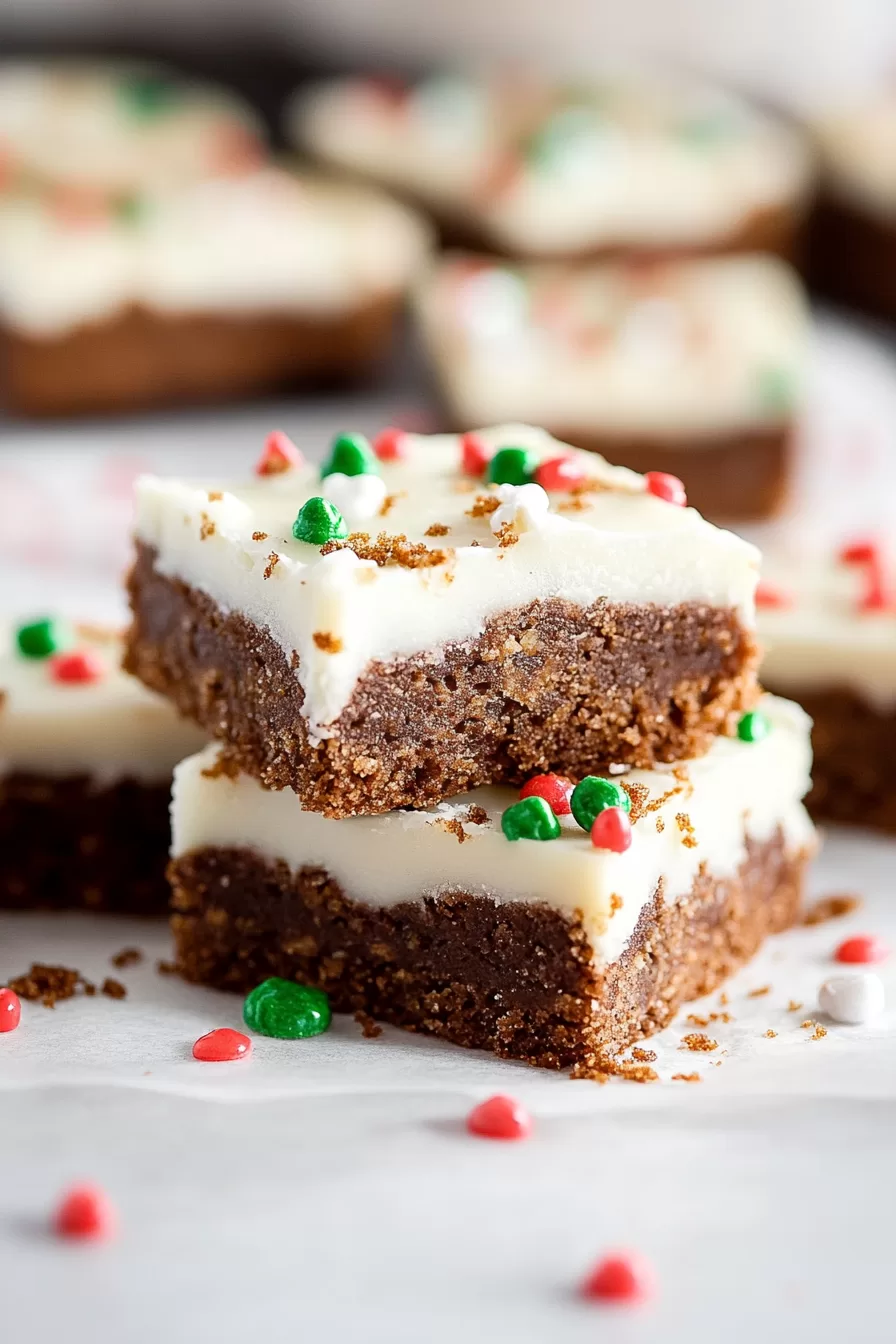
column 862, row 949
column 666, row 487
column 868, row 554
column 223, row 1044
column 612, row 830
column 554, row 789
column 860, row 553
column 85, row 1214
column 10, row 1010
column 770, row 598
column 474, row 455
column 622, row 1277
column 500, row 1118
column 390, row 445
column 280, row 454
column 559, row 473
column 80, row 666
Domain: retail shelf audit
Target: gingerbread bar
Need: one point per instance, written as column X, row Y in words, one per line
column 826, row 619
column 207, row 292
column 690, row 367
column 86, row 755
column 648, row 165
column 852, row 252
column 497, row 923
column 414, row 619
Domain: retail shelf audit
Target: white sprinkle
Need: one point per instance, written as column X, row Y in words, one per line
column 854, row 997
column 525, row 507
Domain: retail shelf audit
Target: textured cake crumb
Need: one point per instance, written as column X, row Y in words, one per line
column 206, row 527
column 759, row 993
column 369, row 1028
column 273, row 562
column 437, row 530
column 166, row 967
column 454, row 827
column 639, row 795
column 819, row 1033
column 390, row 550
column 326, row 642
column 389, row 503
column 483, row 506
column 508, row 536
column 831, row 907
column 113, row 989
column 660, row 825
column 223, row 767
column 128, row 956
column 793, row 1006
column 641, row 1056
column 214, row 496
column 686, row 1078
column 616, row 903
column 686, row 826
column 259, row 536
column 49, row 985
column 771, row 1034
column 697, row 1040
column 476, row 815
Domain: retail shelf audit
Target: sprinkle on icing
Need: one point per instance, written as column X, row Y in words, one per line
column 350, row 455
column 554, row 789
column 512, row 466
column 288, row 1011
column 318, row 522
column 279, row 454
column 753, row 726
column 391, row 445
column 42, row 638
column 592, row 795
column 531, row 818
column 77, row 667
column 612, row 830
column 665, row 486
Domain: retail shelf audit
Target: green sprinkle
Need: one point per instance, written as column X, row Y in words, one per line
column 710, row 129
column 512, row 466
column 352, row 455
column 776, row 389
column 562, row 136
column 42, row 638
column 753, row 727
column 130, row 209
column 148, row 96
column 286, row 1010
column 530, row 819
column 318, row 521
column 593, row 795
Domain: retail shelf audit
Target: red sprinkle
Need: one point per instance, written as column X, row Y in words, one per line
column 390, row 445
column 500, row 1118
column 280, row 454
column 559, row 473
column 10, row 1010
column 868, row 554
column 770, row 598
column 860, row 553
column 474, row 455
column 79, row 666
column 622, row 1277
column 80, row 206
column 666, row 487
column 223, row 1044
column 862, row 948
column 612, row 830
column 554, row 789
column 85, row 1214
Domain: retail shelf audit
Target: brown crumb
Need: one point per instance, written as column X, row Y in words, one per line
column 259, row 536
column 273, row 562
column 657, row 803
column 49, row 985
column 639, row 795
column 616, row 902
column 643, row 1056
column 686, row 826
column 508, row 536
column 771, row 1034
column 113, row 989
column 389, row 503
column 166, row 967
column 723, row 1000
column 819, row 1033
column 454, row 827
column 793, row 1006
column 206, row 527
column 484, row 506
column 223, row 767
column 697, row 1021
column 437, row 530
column 759, row 993
column 599, row 1068
column 660, row 825
column 808, row 1023
column 214, row 495
column 326, row 642
column 391, row 550
column 696, row 1040
column 831, row 907
column 476, row 815
column 128, row 956
column 686, row 1078
column 369, row 1029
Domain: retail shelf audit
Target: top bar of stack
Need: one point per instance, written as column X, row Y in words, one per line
column 428, row 614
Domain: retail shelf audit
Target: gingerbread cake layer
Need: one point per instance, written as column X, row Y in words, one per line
column 852, row 256
column 476, row 633
column 549, row 951
column 141, row 358
column 86, row 755
column 524, row 168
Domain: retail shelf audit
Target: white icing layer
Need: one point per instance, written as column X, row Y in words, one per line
column 94, row 125
column 738, row 791
column 617, row 542
column 676, row 350
column 264, row 242
column 109, row 729
column 821, row 639
column 628, row 161
column 858, row 151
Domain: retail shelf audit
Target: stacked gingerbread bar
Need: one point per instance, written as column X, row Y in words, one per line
column 409, row 657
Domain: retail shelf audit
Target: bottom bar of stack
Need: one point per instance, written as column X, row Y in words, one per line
column 554, row 952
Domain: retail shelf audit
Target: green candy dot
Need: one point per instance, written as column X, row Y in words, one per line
column 564, row 134
column 593, row 795
column 352, row 455
column 776, row 390
column 42, row 638
column 148, row 96
column 318, row 521
column 512, row 466
column 286, row 1010
column 530, row 819
column 753, row 727
column 130, row 209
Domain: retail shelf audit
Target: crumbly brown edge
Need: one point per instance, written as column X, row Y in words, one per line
column 550, row 686
column 69, row 843
column 513, row 977
column 143, row 358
